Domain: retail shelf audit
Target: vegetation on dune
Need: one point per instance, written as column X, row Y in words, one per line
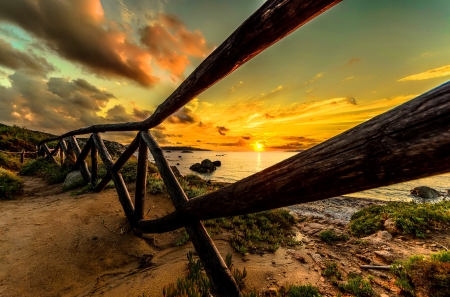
column 40, row 167
column 9, row 162
column 409, row 218
column 423, row 276
column 16, row 139
column 10, row 184
column 196, row 283
column 330, row 236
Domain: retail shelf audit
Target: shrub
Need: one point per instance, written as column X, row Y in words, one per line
column 10, row 184
column 155, row 184
column 52, row 173
column 303, row 291
column 409, row 218
column 332, row 272
column 427, row 276
column 330, row 235
column 9, row 162
column 357, row 286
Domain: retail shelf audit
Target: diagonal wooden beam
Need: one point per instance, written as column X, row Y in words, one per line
column 222, row 282
column 122, row 192
column 408, row 142
column 49, row 154
column 81, row 157
column 119, row 163
column 141, row 182
column 82, row 165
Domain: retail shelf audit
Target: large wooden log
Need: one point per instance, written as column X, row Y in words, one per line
column 119, row 163
column 141, row 182
column 408, row 142
column 270, row 23
column 82, row 165
column 222, row 282
column 122, row 192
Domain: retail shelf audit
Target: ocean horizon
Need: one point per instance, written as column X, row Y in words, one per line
column 238, row 165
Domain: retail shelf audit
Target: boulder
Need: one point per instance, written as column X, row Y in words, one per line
column 389, row 226
column 208, row 165
column 205, row 167
column 196, row 167
column 175, row 171
column 217, row 163
column 73, row 180
column 425, row 192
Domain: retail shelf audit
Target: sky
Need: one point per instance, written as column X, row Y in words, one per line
column 67, row 64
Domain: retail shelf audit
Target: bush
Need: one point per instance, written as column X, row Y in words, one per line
column 52, row 173
column 10, row 184
column 330, row 235
column 427, row 276
column 9, row 162
column 409, row 218
column 357, row 286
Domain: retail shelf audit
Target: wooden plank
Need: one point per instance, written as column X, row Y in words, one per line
column 269, row 24
column 222, row 282
column 94, row 166
column 408, row 142
column 82, row 165
column 141, row 182
column 119, row 163
column 122, row 192
column 81, row 157
column 49, row 156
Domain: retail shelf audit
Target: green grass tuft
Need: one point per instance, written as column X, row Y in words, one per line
column 10, row 184
column 409, row 218
column 357, row 286
column 330, row 236
column 9, row 162
column 52, row 173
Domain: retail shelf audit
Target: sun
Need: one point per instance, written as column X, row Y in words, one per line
column 258, row 146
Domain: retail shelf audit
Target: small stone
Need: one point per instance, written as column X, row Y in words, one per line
column 385, row 255
column 317, row 258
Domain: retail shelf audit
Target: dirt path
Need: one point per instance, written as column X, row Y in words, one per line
column 55, row 244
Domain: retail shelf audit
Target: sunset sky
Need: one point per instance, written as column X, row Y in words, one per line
column 67, row 64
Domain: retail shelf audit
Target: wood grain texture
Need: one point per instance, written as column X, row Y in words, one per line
column 270, row 23
column 222, row 282
column 408, row 142
column 122, row 192
column 129, row 151
column 141, row 182
column 94, row 166
column 82, row 165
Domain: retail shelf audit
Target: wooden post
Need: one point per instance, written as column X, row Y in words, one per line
column 94, row 167
column 141, row 181
column 222, row 282
column 49, row 156
column 119, row 163
column 22, row 156
column 82, row 165
column 122, row 192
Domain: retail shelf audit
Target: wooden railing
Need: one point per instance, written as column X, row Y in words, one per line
column 408, row 142
column 22, row 154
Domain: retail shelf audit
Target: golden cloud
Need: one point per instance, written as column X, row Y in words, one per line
column 433, row 73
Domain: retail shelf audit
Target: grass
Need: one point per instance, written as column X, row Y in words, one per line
column 332, row 272
column 409, row 218
column 16, row 139
column 10, row 184
column 330, row 236
column 9, row 162
column 196, row 283
column 423, row 276
column 257, row 233
column 357, row 286
column 52, row 173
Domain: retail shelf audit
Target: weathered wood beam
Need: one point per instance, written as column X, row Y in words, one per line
column 49, row 156
column 81, row 157
column 222, row 282
column 141, row 182
column 408, row 142
column 269, row 24
column 94, row 166
column 122, row 192
column 82, row 165
column 129, row 151
column 55, row 150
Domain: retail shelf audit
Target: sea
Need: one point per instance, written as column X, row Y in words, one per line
column 238, row 165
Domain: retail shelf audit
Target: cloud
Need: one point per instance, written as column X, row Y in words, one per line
column 160, row 137
column 222, row 129
column 170, row 43
column 348, row 78
column 18, row 60
column 300, row 139
column 246, row 137
column 353, row 61
column 238, row 143
column 433, row 73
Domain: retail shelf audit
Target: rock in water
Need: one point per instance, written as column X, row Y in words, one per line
column 425, row 192
column 205, row 167
column 208, row 165
column 73, row 180
column 217, row 163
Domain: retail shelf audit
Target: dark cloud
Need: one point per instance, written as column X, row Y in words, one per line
column 174, row 135
column 170, row 43
column 159, row 136
column 222, row 129
column 239, row 143
column 351, row 100
column 26, row 61
column 268, row 116
column 141, row 114
column 199, row 141
column 300, row 139
column 183, row 116
column 353, row 61
column 246, row 137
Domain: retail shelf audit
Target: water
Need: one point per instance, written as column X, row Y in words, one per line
column 238, row 165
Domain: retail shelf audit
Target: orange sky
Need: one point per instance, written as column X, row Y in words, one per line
column 71, row 64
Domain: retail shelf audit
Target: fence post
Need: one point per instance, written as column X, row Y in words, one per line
column 141, row 181
column 22, row 156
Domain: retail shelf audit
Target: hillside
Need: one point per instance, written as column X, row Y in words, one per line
column 15, row 139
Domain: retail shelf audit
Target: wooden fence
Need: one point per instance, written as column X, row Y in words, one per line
column 22, row 154
column 408, row 142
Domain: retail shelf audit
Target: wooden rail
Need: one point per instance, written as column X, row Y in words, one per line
column 408, row 142
column 22, row 154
